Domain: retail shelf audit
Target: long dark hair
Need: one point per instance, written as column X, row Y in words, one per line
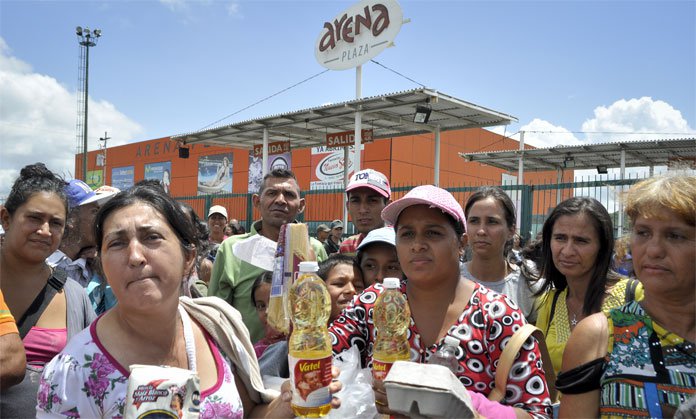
column 161, row 202
column 35, row 178
column 602, row 276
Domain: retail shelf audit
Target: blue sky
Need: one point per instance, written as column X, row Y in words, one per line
column 168, row 67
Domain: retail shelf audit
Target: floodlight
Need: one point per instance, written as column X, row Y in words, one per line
column 422, row 114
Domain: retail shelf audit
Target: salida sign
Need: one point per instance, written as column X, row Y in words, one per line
column 279, row 147
column 358, row 34
column 346, row 138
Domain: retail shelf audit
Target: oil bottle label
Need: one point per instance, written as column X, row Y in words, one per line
column 380, row 369
column 311, row 379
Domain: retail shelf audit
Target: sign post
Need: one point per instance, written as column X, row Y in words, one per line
column 354, row 37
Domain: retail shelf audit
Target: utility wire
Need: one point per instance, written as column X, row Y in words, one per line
column 264, row 99
column 396, row 72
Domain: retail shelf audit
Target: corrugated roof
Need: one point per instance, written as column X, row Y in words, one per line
column 388, row 115
column 637, row 153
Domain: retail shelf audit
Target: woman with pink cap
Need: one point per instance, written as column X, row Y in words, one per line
column 430, row 238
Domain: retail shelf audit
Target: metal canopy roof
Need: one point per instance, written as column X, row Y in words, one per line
column 388, row 115
column 637, row 153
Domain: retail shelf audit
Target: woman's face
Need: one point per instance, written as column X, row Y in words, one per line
column 427, row 245
column 142, row 258
column 343, row 282
column 35, row 229
column 574, row 246
column 487, row 228
column 664, row 250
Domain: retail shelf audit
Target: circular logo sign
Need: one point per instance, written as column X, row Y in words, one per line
column 358, row 34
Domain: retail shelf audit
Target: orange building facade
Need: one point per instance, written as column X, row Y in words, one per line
column 407, row 161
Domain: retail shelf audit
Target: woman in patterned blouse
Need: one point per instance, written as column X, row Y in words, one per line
column 639, row 360
column 430, row 238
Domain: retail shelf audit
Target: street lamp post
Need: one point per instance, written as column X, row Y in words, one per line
column 86, row 39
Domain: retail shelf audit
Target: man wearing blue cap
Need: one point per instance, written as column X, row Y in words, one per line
column 78, row 243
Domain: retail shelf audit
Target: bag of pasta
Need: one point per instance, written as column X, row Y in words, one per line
column 293, row 247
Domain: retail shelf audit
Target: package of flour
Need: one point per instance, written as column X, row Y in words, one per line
column 162, row 392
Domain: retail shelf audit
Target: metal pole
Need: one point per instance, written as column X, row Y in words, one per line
column 520, row 181
column 621, row 208
column 84, row 128
column 437, row 155
column 264, row 158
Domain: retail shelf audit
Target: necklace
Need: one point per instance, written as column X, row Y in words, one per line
column 572, row 316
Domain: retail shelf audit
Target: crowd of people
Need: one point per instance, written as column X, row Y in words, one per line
column 93, row 282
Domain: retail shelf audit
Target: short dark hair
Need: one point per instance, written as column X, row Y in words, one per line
column 601, row 275
column 35, row 178
column 202, row 232
column 332, row 261
column 280, row 174
column 264, row 278
column 161, row 202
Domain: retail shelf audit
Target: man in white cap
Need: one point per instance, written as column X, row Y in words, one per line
column 78, row 243
column 217, row 220
column 333, row 242
column 368, row 193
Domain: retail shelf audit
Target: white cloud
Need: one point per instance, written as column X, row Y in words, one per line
column 233, row 9
column 38, row 121
column 643, row 119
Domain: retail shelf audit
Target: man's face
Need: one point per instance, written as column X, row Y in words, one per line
column 336, row 234
column 365, row 208
column 322, row 235
column 79, row 233
column 217, row 223
column 279, row 201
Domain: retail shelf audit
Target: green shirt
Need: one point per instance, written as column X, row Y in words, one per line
column 233, row 278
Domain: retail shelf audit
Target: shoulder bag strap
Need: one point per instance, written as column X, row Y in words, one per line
column 631, row 290
column 54, row 284
column 507, row 358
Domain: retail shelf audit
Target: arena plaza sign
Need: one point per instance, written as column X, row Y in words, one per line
column 358, row 34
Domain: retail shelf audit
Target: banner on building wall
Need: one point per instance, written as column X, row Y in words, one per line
column 95, row 178
column 327, row 167
column 122, row 177
column 215, row 174
column 275, row 161
column 162, row 172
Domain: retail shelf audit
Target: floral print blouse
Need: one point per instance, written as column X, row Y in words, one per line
column 85, row 381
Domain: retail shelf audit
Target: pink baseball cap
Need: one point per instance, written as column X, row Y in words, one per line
column 372, row 179
column 429, row 195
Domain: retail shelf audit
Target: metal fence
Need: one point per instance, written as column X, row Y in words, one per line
column 534, row 202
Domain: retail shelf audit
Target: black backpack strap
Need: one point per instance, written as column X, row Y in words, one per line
column 54, row 284
column 553, row 310
column 631, row 289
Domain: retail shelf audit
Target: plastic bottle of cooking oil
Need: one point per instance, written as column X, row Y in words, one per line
column 392, row 318
column 309, row 347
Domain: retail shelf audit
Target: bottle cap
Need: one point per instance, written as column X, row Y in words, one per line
column 391, row 283
column 309, row 266
column 451, row 341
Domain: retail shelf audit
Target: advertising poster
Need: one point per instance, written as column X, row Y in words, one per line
column 162, row 172
column 215, row 174
column 327, row 167
column 95, row 178
column 275, row 161
column 122, row 177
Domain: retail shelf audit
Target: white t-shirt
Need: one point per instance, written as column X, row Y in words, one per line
column 514, row 285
